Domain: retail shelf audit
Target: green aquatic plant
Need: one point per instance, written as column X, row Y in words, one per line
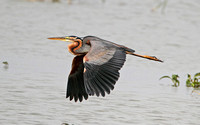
column 174, row 79
column 56, row 0
column 6, row 63
column 193, row 82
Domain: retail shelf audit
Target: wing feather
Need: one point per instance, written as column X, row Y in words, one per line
column 102, row 64
column 75, row 87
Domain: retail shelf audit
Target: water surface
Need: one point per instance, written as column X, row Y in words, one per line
column 34, row 83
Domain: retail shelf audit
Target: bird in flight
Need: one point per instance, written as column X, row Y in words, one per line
column 96, row 65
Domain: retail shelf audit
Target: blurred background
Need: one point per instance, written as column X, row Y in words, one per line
column 33, row 81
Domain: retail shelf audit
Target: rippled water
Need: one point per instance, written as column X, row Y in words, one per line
column 32, row 86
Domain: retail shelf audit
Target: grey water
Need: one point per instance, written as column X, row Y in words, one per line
column 33, row 84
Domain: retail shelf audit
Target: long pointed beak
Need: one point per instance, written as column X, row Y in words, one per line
column 66, row 39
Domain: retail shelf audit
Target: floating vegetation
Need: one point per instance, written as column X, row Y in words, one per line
column 55, row 0
column 5, row 63
column 66, row 124
column 195, row 83
column 174, row 79
column 190, row 82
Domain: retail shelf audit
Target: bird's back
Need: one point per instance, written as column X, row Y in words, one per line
column 108, row 44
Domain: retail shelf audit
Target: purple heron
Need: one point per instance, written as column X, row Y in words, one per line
column 96, row 65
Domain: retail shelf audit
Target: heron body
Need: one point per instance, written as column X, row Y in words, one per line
column 95, row 68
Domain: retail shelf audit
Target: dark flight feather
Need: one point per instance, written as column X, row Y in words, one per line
column 102, row 78
column 75, row 87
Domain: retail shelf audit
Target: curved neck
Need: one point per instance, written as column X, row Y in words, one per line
column 78, row 48
column 74, row 46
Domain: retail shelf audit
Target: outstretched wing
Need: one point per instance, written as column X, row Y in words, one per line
column 75, row 87
column 102, row 64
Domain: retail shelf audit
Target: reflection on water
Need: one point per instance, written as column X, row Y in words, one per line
column 5, row 65
column 33, row 86
column 196, row 91
column 162, row 4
